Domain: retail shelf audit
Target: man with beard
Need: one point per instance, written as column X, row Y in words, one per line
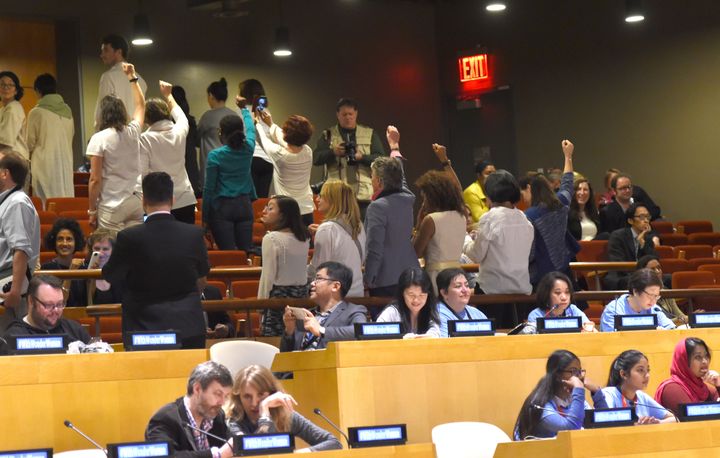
column 178, row 422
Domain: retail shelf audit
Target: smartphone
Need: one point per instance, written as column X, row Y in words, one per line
column 261, row 102
column 298, row 312
column 94, row 259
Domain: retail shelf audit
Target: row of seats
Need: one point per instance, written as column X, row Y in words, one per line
column 682, row 227
column 597, row 251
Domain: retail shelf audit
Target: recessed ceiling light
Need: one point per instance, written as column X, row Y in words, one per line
column 495, row 7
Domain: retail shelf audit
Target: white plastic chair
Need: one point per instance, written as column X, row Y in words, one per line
column 83, row 453
column 237, row 354
column 467, row 439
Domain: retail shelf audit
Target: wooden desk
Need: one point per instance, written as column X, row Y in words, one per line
column 424, row 450
column 676, row 440
column 427, row 382
column 109, row 396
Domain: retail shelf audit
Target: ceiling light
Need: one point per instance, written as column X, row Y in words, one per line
column 495, row 7
column 634, row 11
column 141, row 31
column 282, row 42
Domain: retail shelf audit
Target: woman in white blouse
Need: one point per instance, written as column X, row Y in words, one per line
column 284, row 257
column 415, row 305
column 341, row 237
column 162, row 149
column 291, row 157
column 12, row 114
column 583, row 218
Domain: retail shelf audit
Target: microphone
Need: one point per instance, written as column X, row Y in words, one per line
column 677, row 420
column 562, row 414
column 188, row 425
column 552, row 309
column 335, row 427
column 87, row 438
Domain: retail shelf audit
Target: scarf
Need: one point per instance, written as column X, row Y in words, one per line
column 680, row 374
column 56, row 104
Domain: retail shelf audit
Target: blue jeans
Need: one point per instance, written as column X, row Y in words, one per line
column 231, row 222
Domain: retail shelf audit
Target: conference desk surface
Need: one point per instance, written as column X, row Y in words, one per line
column 426, row 382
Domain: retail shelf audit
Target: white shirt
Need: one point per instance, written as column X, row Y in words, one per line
column 12, row 127
column 587, row 227
column 292, row 171
column 162, row 149
column 503, row 239
column 333, row 243
column 49, row 138
column 284, row 261
column 392, row 314
column 115, row 82
column 121, row 162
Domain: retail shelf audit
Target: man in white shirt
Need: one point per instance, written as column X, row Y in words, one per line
column 113, row 52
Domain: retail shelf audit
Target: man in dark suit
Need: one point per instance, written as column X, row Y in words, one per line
column 162, row 265
column 333, row 319
column 208, row 388
column 629, row 244
column 612, row 216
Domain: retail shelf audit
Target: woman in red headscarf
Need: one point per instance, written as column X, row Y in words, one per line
column 691, row 379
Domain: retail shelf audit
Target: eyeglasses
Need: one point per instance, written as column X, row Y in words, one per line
column 642, row 217
column 413, row 297
column 625, row 188
column 317, row 279
column 50, row 307
column 7, row 85
column 575, row 372
column 655, row 297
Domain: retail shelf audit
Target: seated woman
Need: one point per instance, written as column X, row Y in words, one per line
column 415, row 306
column 584, row 218
column 66, row 238
column 454, row 295
column 629, row 375
column 258, row 405
column 557, row 403
column 554, row 293
column 284, row 256
column 691, row 379
column 644, row 291
column 669, row 306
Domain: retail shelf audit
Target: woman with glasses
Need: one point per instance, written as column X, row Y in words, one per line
column 691, row 379
column 557, row 403
column 644, row 287
column 629, row 375
column 414, row 306
column 284, row 255
column 668, row 305
column 12, row 114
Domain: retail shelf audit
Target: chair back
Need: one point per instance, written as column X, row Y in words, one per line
column 672, row 265
column 695, row 251
column 592, row 251
column 685, row 280
column 662, row 227
column 237, row 354
column 665, row 252
column 704, row 238
column 714, row 268
column 467, row 439
column 693, row 226
column 673, row 239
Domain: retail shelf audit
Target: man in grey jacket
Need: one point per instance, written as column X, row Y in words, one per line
column 389, row 222
column 333, row 319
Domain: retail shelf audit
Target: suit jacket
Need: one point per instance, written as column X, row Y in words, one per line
column 167, row 425
column 388, row 226
column 612, row 216
column 338, row 326
column 159, row 263
column 621, row 247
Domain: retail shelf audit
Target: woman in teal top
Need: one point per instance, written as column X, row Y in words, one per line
column 229, row 189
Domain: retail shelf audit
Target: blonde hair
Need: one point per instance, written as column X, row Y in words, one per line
column 343, row 204
column 264, row 382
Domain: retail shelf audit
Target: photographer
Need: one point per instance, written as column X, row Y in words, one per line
column 347, row 150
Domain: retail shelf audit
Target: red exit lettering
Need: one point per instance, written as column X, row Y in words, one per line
column 473, row 68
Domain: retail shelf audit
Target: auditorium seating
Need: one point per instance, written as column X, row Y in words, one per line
column 673, row 239
column 60, row 204
column 697, row 262
column 592, row 251
column 79, row 215
column 714, row 268
column 693, row 251
column 227, row 258
column 693, row 226
column 673, row 265
column 665, row 252
column 81, row 190
column 704, row 238
column 662, row 227
column 684, row 280
column 47, row 217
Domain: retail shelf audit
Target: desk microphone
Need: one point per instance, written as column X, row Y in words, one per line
column 85, row 436
column 552, row 309
column 655, row 407
column 335, row 427
column 208, row 434
column 562, row 414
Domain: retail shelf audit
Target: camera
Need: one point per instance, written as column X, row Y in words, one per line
column 350, row 151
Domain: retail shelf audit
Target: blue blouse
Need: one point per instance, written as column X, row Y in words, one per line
column 621, row 306
column 571, row 310
column 447, row 314
column 646, row 406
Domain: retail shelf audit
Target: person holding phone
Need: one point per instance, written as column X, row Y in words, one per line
column 254, row 98
column 629, row 375
column 557, row 403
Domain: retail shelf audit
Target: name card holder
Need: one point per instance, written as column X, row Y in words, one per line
column 468, row 328
column 698, row 411
column 151, row 340
column 377, row 436
column 636, row 322
column 138, row 450
column 263, row 444
column 704, row 320
column 606, row 418
column 29, row 453
column 558, row 324
column 38, row 344
column 377, row 331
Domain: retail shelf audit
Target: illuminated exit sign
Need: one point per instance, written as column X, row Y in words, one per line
column 473, row 68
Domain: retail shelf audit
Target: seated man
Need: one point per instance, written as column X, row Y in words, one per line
column 333, row 319
column 612, row 216
column 629, row 244
column 208, row 388
column 45, row 308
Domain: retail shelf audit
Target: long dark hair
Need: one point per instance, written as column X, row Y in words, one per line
column 415, row 276
column 543, row 195
column 546, row 285
column 624, row 362
column 544, row 391
column 232, row 131
column 290, row 217
column 591, row 210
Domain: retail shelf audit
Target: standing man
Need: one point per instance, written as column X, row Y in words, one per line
column 333, row 319
column 347, row 149
column 50, row 131
column 163, row 264
column 19, row 236
column 208, row 388
column 113, row 52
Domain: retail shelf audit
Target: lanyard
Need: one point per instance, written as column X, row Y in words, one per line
column 456, row 314
column 624, row 402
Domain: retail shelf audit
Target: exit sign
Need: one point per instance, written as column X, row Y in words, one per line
column 473, row 68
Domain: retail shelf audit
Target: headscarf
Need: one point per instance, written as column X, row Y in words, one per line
column 680, row 373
